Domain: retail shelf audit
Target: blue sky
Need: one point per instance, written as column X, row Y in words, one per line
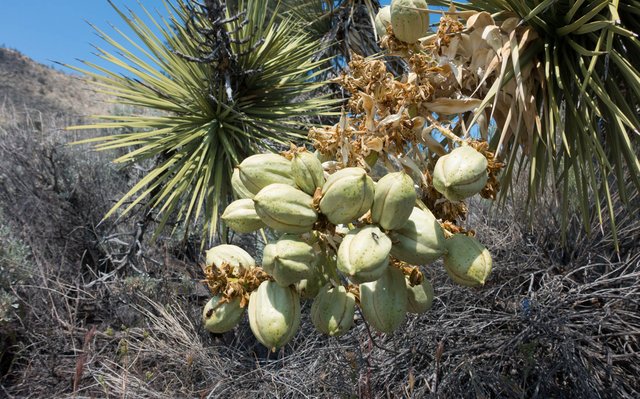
column 51, row 31
column 58, row 30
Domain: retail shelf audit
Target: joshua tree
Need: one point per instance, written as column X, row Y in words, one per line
column 573, row 116
column 218, row 81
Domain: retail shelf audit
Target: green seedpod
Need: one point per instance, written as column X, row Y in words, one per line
column 363, row 254
column 384, row 301
column 274, row 314
column 409, row 24
column 289, row 260
column 420, row 296
column 258, row 171
column 372, row 158
column 238, row 188
column 322, row 157
column 382, row 20
column 221, row 316
column 285, row 208
column 332, row 310
column 420, row 240
column 241, row 216
column 393, row 200
column 308, row 288
column 307, row 172
column 460, row 174
column 467, row 261
column 347, row 195
column 235, row 256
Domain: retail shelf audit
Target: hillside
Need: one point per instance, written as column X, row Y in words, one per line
column 26, row 84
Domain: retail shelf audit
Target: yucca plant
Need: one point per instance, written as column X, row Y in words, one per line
column 219, row 82
column 344, row 26
column 574, row 122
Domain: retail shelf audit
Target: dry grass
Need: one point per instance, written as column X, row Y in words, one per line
column 552, row 322
column 109, row 314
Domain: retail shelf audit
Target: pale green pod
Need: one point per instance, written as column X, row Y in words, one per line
column 308, row 288
column 307, row 172
column 393, row 201
column 384, row 301
column 332, row 310
column 258, row 171
column 420, row 296
column 347, row 195
column 289, row 260
column 324, row 270
column 285, row 208
column 467, row 261
column 409, row 24
column 235, row 256
column 460, row 174
column 421, row 239
column 382, row 20
column 274, row 314
column 238, row 188
column 322, row 157
column 363, row 254
column 219, row 317
column 241, row 216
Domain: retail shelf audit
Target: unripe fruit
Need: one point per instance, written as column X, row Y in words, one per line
column 235, row 256
column 289, row 260
column 239, row 190
column 274, row 314
column 467, row 261
column 241, row 216
column 460, row 174
column 408, row 24
column 421, row 239
column 383, row 19
column 219, row 317
column 325, row 265
column 260, row 170
column 384, row 301
column 393, row 201
column 285, row 208
column 308, row 288
column 347, row 195
column 307, row 172
column 363, row 254
column 333, row 309
column 420, row 297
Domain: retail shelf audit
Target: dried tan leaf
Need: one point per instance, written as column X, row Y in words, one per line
column 480, row 20
column 392, row 119
column 451, row 51
column 483, row 125
column 477, row 42
column 478, row 64
column 368, row 104
column 510, row 24
column 432, row 143
column 375, row 144
column 491, row 34
column 465, row 48
column 450, row 106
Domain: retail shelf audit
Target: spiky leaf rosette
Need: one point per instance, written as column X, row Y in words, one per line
column 345, row 26
column 219, row 83
column 574, row 118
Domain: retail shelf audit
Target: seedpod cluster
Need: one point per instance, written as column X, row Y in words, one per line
column 355, row 224
column 345, row 238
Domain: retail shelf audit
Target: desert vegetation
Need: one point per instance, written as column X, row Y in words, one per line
column 112, row 307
